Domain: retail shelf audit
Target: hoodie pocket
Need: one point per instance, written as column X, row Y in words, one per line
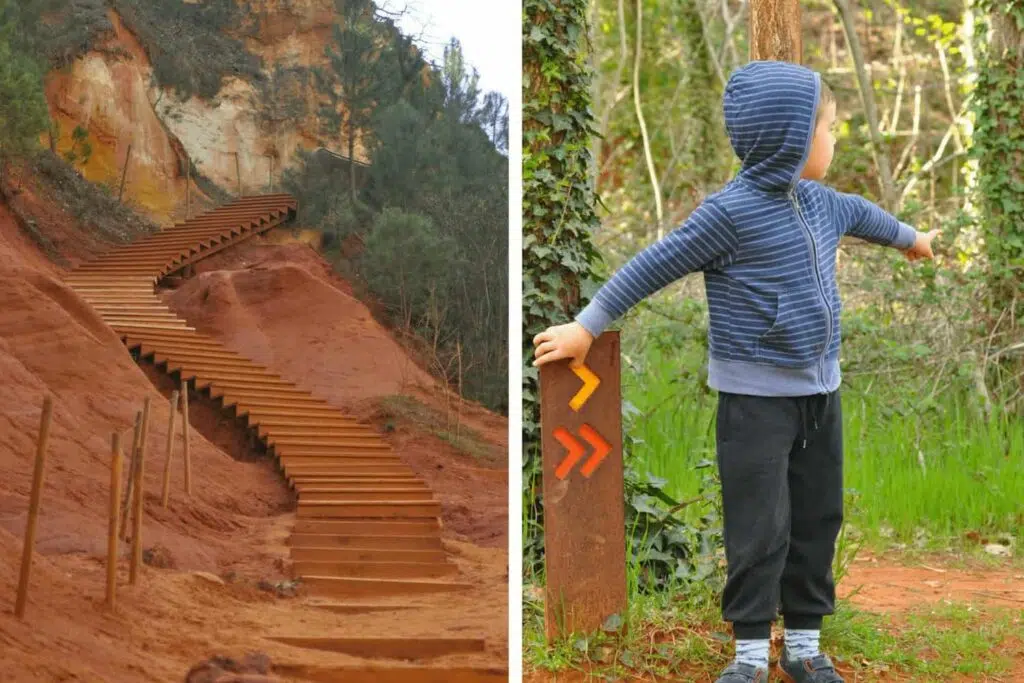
column 797, row 336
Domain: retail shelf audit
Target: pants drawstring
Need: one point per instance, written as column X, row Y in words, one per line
column 811, row 407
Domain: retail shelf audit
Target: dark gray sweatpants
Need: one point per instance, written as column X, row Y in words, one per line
column 781, row 465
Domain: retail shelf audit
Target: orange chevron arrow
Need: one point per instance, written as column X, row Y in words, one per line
column 575, row 449
column 590, row 384
column 601, row 449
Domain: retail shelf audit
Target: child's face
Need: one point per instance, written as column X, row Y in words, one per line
column 822, row 146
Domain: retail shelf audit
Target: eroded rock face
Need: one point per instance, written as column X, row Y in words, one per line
column 250, row 130
column 108, row 92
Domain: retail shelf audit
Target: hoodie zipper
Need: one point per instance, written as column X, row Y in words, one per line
column 821, row 286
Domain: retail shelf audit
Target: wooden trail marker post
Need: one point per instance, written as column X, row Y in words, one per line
column 584, row 505
column 140, row 469
column 116, row 465
column 166, row 492
column 33, row 507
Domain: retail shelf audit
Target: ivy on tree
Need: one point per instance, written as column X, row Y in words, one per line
column 998, row 146
column 559, row 203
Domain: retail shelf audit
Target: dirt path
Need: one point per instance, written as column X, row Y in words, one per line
column 880, row 585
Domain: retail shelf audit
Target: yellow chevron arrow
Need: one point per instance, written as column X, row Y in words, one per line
column 590, row 384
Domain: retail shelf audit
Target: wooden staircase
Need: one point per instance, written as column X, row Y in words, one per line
column 367, row 527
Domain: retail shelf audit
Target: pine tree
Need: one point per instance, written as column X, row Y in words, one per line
column 23, row 109
column 353, row 81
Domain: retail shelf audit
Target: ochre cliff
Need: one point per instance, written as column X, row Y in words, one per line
column 246, row 132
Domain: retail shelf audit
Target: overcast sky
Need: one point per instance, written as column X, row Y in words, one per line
column 489, row 31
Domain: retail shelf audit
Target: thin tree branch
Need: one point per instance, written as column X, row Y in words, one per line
column 868, row 99
column 643, row 124
column 914, row 134
column 716, row 60
column 949, row 96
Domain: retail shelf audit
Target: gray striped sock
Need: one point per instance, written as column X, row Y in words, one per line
column 753, row 652
column 802, row 643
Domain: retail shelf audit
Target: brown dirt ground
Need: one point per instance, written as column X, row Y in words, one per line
column 893, row 587
column 236, row 524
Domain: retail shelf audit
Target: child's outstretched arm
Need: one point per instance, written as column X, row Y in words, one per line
column 858, row 217
column 705, row 240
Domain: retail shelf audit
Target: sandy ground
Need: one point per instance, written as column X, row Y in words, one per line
column 285, row 309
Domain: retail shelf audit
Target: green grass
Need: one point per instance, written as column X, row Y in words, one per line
column 674, row 635
column 928, row 642
column 971, row 478
column 445, row 426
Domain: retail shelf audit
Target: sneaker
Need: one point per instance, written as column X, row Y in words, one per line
column 743, row 673
column 814, row 670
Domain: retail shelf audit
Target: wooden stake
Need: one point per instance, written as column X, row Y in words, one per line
column 134, row 454
column 140, row 470
column 188, row 189
column 166, row 493
column 184, row 437
column 116, row 465
column 33, row 507
column 124, row 172
column 238, row 174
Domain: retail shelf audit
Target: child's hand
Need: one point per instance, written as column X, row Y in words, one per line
column 922, row 247
column 562, row 341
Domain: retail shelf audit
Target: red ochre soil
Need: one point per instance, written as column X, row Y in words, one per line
column 282, row 306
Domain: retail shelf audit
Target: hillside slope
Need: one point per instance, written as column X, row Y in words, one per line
column 52, row 342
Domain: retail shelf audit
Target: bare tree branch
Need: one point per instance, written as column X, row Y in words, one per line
column 643, row 124
column 868, row 99
column 949, row 95
column 915, row 133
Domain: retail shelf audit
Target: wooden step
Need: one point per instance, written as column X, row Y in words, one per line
column 353, row 494
column 334, row 468
column 359, row 483
column 361, row 588
column 412, row 528
column 304, row 554
column 294, row 398
column 289, row 431
column 339, row 459
column 372, row 509
column 379, row 570
column 241, row 370
column 386, row 648
column 367, row 542
column 336, row 422
column 328, row 444
column 261, row 406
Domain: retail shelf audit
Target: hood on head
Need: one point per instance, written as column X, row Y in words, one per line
column 770, row 110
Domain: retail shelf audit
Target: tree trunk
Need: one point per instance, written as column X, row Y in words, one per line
column 775, row 30
column 1000, row 99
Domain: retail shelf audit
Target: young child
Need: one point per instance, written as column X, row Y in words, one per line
column 766, row 244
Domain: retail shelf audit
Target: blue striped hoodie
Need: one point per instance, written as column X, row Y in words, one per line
column 766, row 244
